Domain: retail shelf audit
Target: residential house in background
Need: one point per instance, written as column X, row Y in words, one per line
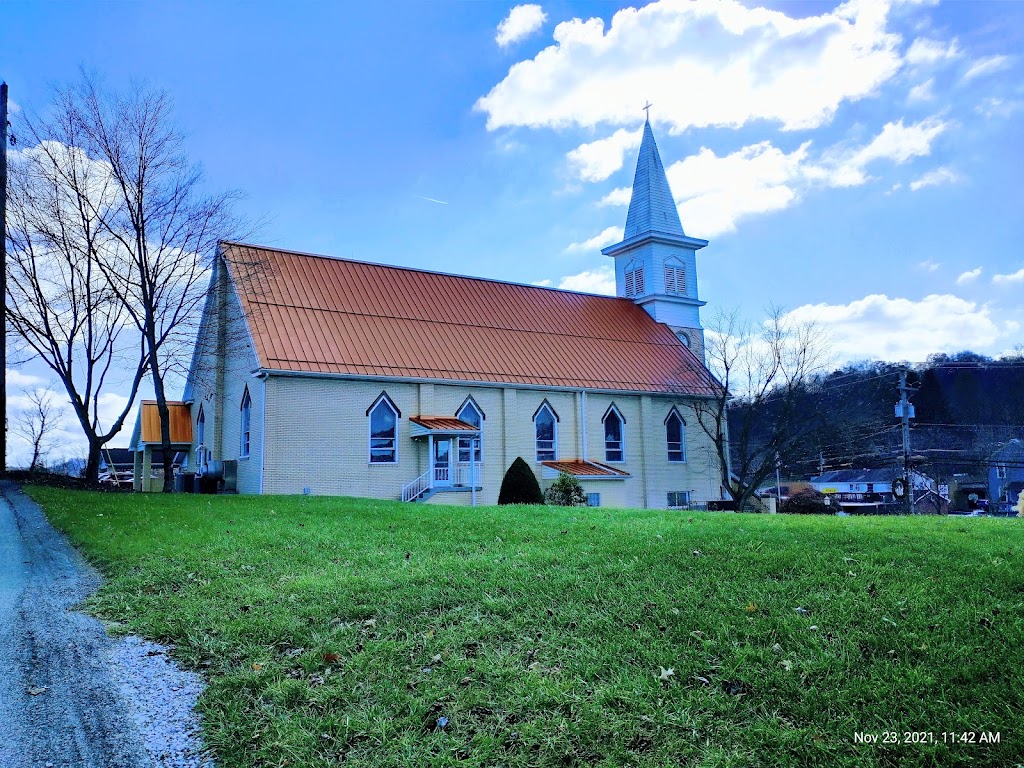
column 870, row 487
column 1006, row 476
column 320, row 375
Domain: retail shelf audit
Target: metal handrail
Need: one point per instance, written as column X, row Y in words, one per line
column 415, row 489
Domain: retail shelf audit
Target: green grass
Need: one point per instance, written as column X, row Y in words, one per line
column 333, row 629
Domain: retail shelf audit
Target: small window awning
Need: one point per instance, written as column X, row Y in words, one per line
column 440, row 426
column 582, row 468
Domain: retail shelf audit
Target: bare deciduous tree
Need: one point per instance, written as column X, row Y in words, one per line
column 133, row 234
column 757, row 419
column 165, row 226
column 61, row 304
column 37, row 423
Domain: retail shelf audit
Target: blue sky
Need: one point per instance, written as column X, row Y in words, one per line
column 856, row 163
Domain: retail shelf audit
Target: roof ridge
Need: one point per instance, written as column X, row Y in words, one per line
column 422, row 270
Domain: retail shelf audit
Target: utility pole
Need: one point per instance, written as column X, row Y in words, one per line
column 3, row 276
column 906, row 412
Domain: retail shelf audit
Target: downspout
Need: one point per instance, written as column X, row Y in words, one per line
column 583, row 423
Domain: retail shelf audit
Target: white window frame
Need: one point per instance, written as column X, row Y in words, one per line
column 245, row 425
column 382, row 400
column 546, row 406
column 470, row 403
column 613, row 409
column 674, row 413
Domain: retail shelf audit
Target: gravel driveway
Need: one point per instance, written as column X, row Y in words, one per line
column 69, row 694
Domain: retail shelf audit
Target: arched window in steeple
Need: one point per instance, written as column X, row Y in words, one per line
column 634, row 278
column 675, row 277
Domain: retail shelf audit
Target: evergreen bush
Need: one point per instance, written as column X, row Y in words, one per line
column 566, row 491
column 520, row 486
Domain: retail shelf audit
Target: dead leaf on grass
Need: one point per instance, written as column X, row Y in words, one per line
column 665, row 674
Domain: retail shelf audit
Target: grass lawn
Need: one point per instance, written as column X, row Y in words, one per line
column 385, row 634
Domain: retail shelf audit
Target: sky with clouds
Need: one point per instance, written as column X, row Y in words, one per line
column 856, row 163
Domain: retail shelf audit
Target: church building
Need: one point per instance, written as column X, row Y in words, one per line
column 321, row 375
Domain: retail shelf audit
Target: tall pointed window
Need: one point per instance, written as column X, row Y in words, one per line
column 613, row 444
column 246, row 409
column 675, row 436
column 675, row 277
column 201, row 429
column 545, row 425
column 383, row 432
column 470, row 414
column 634, row 278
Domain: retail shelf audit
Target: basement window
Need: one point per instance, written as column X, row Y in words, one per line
column 678, row 499
column 593, row 499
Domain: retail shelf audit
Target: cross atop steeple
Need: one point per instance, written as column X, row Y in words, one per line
column 647, row 109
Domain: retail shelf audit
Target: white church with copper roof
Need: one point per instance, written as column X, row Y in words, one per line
column 320, row 375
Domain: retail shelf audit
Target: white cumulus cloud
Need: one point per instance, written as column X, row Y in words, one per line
column 929, row 266
column 969, row 276
column 902, row 329
column 1013, row 277
column 715, row 192
column 922, row 92
column 600, row 280
column 925, row 51
column 522, row 21
column 986, row 66
column 607, row 237
column 933, row 178
column 738, row 64
column 599, row 159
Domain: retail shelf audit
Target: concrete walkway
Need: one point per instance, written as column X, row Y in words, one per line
column 60, row 702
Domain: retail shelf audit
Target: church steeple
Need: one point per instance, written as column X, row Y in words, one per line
column 656, row 262
column 651, row 208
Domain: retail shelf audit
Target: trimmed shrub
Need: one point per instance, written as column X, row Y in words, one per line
column 809, row 502
column 520, row 486
column 566, row 491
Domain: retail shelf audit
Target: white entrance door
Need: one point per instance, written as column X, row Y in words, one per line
column 442, row 462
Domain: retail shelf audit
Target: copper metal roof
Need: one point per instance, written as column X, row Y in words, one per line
column 323, row 315
column 444, row 423
column 181, row 422
column 583, row 468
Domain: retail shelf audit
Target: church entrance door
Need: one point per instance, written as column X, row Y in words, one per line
column 442, row 462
